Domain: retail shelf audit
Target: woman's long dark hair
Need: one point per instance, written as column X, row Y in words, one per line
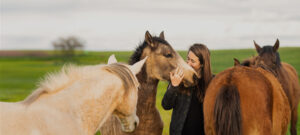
column 203, row 54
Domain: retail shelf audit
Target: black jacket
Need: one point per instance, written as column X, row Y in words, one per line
column 180, row 103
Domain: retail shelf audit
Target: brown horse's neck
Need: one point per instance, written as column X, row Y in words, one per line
column 147, row 91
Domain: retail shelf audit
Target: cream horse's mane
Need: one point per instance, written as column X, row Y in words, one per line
column 55, row 82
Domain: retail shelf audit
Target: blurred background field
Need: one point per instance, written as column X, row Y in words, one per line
column 20, row 71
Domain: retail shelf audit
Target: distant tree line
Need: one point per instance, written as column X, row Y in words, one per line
column 68, row 46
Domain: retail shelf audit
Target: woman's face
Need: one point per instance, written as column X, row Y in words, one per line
column 193, row 61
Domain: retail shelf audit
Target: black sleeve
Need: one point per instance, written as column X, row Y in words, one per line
column 169, row 99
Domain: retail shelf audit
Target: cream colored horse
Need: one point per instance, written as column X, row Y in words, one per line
column 76, row 101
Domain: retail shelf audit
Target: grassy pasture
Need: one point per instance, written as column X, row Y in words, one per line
column 20, row 75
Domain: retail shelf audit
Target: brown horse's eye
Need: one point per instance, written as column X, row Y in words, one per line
column 168, row 55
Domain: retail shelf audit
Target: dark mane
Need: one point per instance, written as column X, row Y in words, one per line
column 136, row 56
column 269, row 49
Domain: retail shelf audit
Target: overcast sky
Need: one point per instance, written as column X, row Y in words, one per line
column 121, row 25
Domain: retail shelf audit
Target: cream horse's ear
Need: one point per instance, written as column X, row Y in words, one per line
column 112, row 59
column 136, row 68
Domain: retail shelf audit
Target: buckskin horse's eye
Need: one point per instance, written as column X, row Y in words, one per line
column 169, row 55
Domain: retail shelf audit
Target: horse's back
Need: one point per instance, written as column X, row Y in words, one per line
column 252, row 98
column 18, row 118
column 11, row 116
column 281, row 108
column 10, row 109
column 256, row 99
column 14, row 119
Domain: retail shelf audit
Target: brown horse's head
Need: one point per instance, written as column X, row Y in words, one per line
column 162, row 59
column 268, row 57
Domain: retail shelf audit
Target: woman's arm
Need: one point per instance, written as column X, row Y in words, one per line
column 169, row 99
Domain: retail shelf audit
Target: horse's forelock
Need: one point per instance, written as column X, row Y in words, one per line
column 269, row 49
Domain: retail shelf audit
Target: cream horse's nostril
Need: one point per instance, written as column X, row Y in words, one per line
column 137, row 121
column 135, row 124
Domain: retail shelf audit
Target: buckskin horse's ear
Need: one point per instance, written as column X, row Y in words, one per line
column 276, row 46
column 149, row 39
column 236, row 62
column 136, row 68
column 258, row 48
column 112, row 59
column 162, row 35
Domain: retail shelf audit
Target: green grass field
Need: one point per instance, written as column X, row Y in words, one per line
column 20, row 75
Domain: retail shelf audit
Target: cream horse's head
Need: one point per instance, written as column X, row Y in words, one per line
column 126, row 110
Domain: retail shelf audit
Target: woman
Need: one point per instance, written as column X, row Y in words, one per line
column 187, row 103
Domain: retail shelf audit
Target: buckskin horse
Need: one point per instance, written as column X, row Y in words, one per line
column 244, row 101
column 162, row 59
column 76, row 101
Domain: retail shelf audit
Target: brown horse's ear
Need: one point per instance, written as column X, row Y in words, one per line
column 162, row 35
column 149, row 39
column 258, row 48
column 236, row 62
column 276, row 46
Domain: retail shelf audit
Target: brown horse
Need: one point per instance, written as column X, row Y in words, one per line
column 245, row 100
column 162, row 59
column 269, row 60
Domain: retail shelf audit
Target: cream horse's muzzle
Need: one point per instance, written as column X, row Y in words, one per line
column 130, row 123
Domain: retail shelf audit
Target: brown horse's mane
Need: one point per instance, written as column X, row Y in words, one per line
column 136, row 56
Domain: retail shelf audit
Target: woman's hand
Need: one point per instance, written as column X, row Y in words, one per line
column 176, row 77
